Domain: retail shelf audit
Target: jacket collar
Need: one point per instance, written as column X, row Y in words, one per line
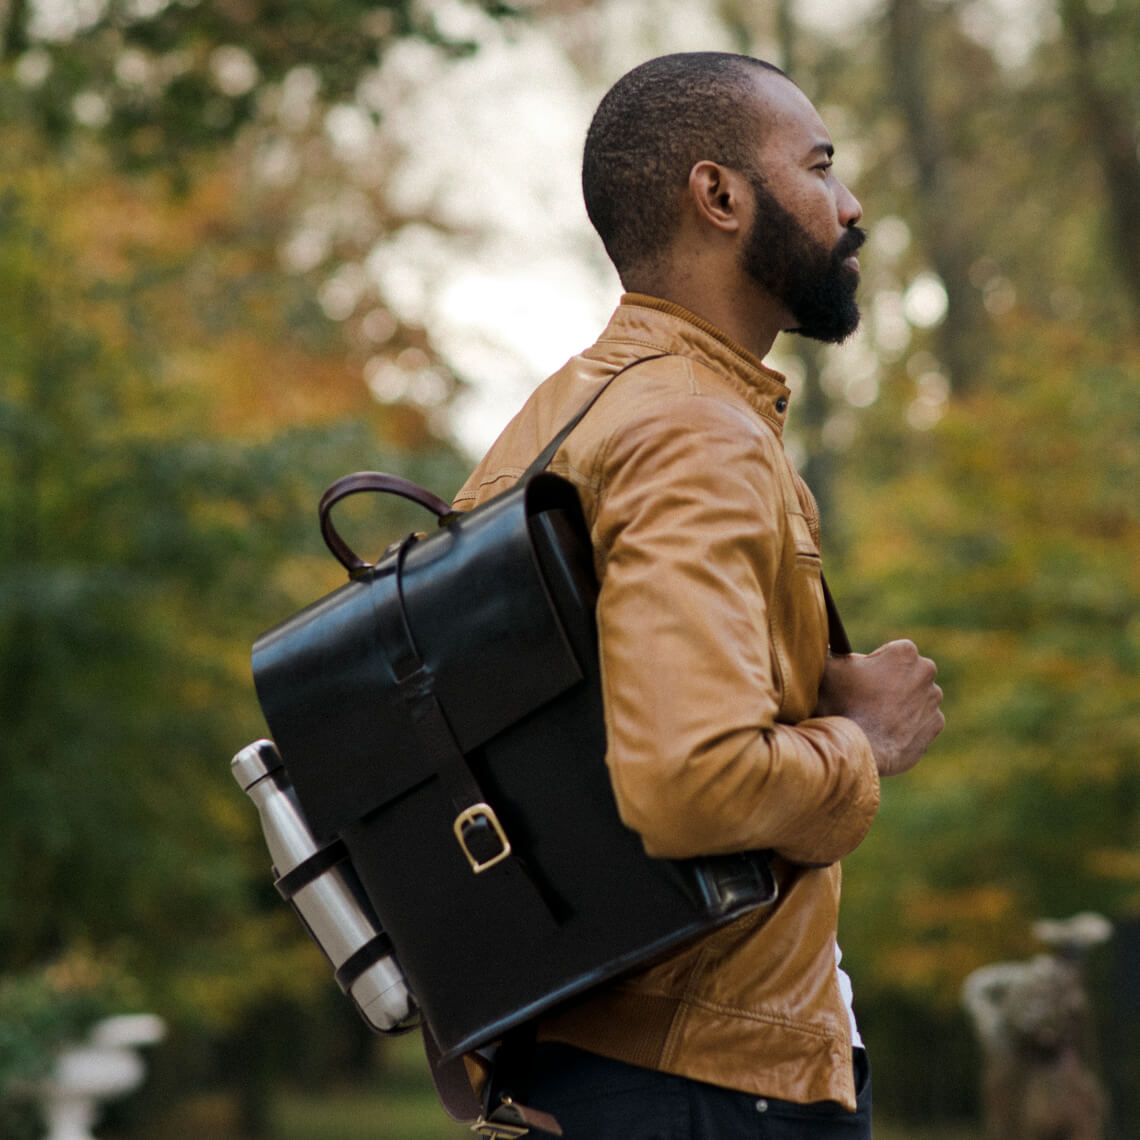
column 663, row 326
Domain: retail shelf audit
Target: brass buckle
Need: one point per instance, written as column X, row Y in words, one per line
column 493, row 1131
column 470, row 815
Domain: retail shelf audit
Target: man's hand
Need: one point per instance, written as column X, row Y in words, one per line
column 891, row 695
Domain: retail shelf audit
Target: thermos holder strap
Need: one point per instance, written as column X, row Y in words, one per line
column 369, row 954
column 311, row 869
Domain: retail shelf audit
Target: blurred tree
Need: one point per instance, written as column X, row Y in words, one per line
column 161, row 80
column 911, row 42
column 173, row 398
column 144, row 545
column 1005, row 545
column 158, row 512
column 1102, row 40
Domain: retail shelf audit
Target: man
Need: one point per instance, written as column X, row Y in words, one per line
column 709, row 179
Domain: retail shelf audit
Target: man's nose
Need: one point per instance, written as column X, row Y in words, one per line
column 850, row 212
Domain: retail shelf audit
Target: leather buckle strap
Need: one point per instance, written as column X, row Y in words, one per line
column 493, row 1131
column 511, row 1120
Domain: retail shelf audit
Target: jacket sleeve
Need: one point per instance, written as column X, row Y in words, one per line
column 691, row 534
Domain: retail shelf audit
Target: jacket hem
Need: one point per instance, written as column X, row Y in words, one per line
column 770, row 1054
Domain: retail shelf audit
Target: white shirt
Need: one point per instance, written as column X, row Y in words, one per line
column 848, row 993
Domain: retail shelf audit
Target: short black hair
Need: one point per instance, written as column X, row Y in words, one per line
column 648, row 132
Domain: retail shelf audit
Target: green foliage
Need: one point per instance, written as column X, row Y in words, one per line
column 172, row 404
column 140, row 555
column 44, row 1009
column 1007, row 550
column 399, row 1105
column 161, row 81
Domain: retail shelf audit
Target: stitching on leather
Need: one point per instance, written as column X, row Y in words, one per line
column 765, row 1017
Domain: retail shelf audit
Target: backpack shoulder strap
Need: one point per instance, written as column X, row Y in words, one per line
column 542, row 460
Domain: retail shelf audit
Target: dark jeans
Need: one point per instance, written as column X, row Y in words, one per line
column 598, row 1099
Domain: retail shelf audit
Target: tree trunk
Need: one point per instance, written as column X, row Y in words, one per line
column 962, row 338
column 1113, row 138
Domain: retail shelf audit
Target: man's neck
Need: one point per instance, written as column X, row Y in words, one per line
column 746, row 315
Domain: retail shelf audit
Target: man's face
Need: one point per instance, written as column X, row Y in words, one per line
column 807, row 276
column 801, row 241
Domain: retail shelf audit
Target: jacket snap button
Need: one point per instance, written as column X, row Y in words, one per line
column 782, row 405
column 761, row 1105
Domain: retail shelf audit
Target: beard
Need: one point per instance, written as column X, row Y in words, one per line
column 809, row 279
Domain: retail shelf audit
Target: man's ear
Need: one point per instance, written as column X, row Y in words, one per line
column 717, row 193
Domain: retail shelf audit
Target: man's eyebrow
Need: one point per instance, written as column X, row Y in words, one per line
column 824, row 148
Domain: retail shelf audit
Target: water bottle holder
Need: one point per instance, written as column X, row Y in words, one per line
column 311, row 869
column 350, row 970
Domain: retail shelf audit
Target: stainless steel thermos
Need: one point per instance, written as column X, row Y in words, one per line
column 324, row 890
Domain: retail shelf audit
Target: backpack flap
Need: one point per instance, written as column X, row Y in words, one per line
column 485, row 610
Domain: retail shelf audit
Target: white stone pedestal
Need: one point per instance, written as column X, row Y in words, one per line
column 106, row 1066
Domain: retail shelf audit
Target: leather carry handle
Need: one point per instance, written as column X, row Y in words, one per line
column 371, row 481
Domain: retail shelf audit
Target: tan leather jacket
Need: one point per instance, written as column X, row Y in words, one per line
column 713, row 641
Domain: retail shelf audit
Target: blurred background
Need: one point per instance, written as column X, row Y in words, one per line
column 247, row 246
